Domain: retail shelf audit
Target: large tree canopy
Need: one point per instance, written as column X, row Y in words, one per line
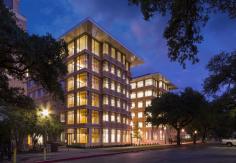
column 187, row 17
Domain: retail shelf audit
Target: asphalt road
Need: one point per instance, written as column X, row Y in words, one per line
column 206, row 154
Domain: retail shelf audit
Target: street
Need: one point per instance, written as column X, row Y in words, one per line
column 206, row 154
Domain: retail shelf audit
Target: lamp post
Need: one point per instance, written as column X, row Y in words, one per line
column 165, row 133
column 194, row 137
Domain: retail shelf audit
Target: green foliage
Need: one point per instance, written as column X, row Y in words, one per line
column 187, row 17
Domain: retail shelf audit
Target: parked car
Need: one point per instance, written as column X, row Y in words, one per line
column 229, row 142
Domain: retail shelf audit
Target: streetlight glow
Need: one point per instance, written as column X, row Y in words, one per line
column 45, row 112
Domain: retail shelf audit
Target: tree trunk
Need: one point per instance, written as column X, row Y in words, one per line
column 178, row 136
column 204, row 135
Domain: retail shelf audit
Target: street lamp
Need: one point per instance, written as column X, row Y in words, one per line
column 165, row 133
column 45, row 112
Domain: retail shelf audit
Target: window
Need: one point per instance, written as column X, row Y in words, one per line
column 118, row 72
column 95, row 135
column 118, row 56
column 127, row 94
column 113, row 87
column 81, row 98
column 118, row 118
column 113, row 101
column 70, row 100
column 70, row 83
column 148, row 93
column 133, row 85
column 113, row 135
column 140, row 124
column 148, row 82
column 133, row 105
column 95, row 83
column 105, row 48
column 95, row 47
column 95, row 117
column 140, row 114
column 95, row 65
column 148, row 103
column 70, row 117
column 105, row 138
column 105, row 100
column 127, row 66
column 112, row 69
column 148, row 125
column 82, row 62
column 123, row 59
column 140, row 84
column 95, row 100
column 113, row 53
column 118, row 103
column 82, row 43
column 70, row 67
column 106, row 83
column 105, row 117
column 140, row 94
column 140, row 104
column 105, row 66
column 133, row 115
column 82, row 116
column 118, row 136
column 133, row 95
column 81, row 80
column 62, row 117
column 71, row 48
column 124, row 120
column 118, row 88
column 82, row 135
column 160, row 84
column 113, row 117
column 124, row 105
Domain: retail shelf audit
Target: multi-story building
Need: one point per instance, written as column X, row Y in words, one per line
column 97, row 88
column 144, row 88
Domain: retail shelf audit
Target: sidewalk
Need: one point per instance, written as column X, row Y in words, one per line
column 66, row 154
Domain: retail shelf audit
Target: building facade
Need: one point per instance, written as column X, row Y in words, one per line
column 144, row 88
column 97, row 88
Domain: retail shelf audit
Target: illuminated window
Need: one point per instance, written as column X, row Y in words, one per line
column 118, row 103
column 81, row 80
column 148, row 82
column 95, row 117
column 71, row 48
column 140, row 94
column 160, row 84
column 71, row 135
column 113, row 119
column 127, row 94
column 95, row 47
column 133, row 115
column 118, row 136
column 82, row 135
column 105, row 100
column 133, row 85
column 81, row 62
column 118, row 72
column 105, row 48
column 140, row 104
column 70, row 67
column 82, row 43
column 148, row 103
column 105, row 138
column 95, row 135
column 148, row 93
column 113, row 87
column 140, row 124
column 70, row 100
column 140, row 84
column 123, row 59
column 81, row 98
column 148, row 125
column 105, row 66
column 95, row 83
column 113, row 135
column 62, row 117
column 70, row 117
column 133, row 105
column 113, row 53
column 112, row 69
column 95, row 99
column 127, row 66
column 105, row 117
column 118, row 56
column 106, row 83
column 124, row 120
column 95, row 65
column 118, row 88
column 133, row 95
column 118, row 118
column 113, row 101
column 140, row 114
column 124, row 105
column 82, row 116
column 70, row 83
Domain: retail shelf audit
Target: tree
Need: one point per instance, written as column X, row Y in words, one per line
column 136, row 131
column 176, row 110
column 187, row 17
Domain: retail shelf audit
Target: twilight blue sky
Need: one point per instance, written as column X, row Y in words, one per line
column 126, row 24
